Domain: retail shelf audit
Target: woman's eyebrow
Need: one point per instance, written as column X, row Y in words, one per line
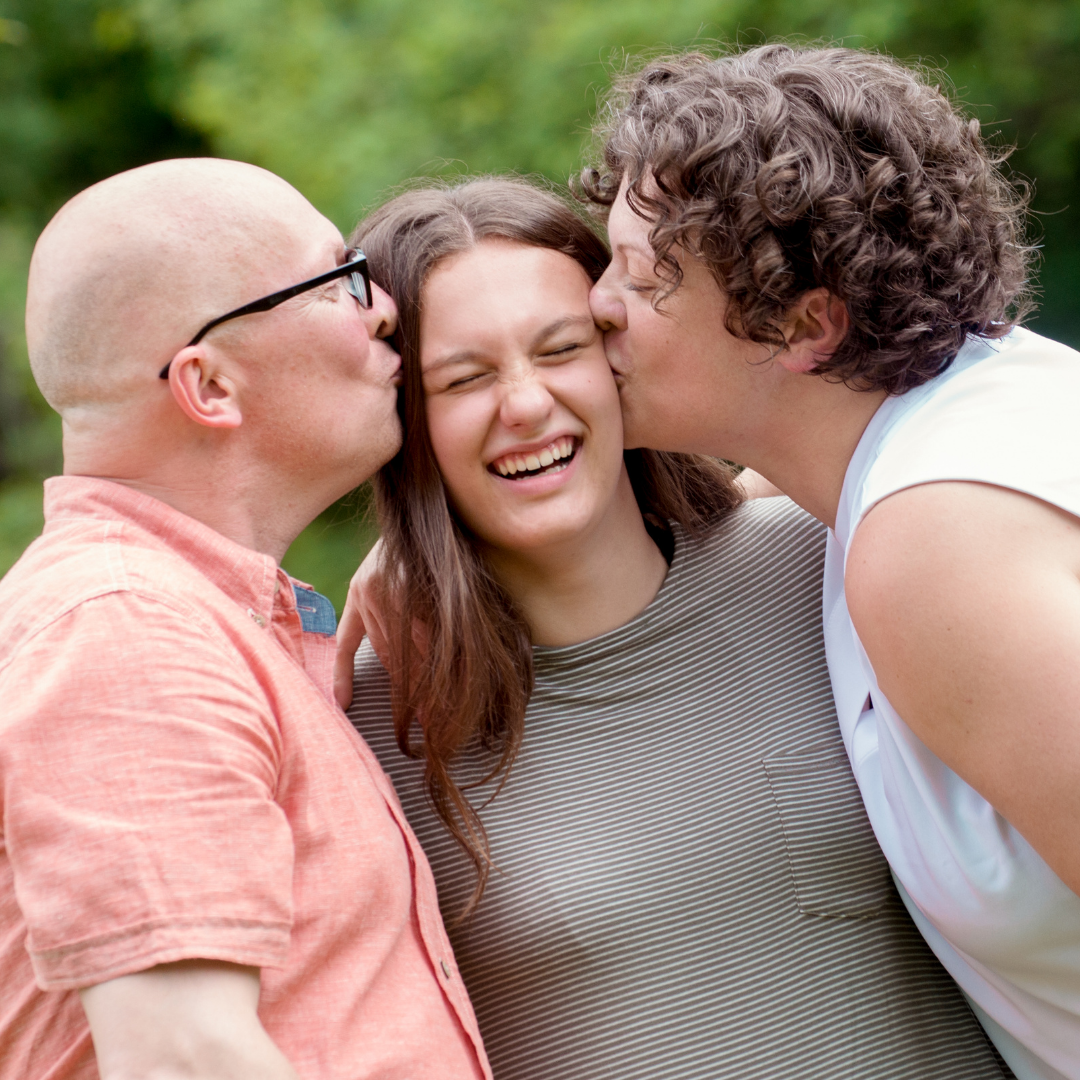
column 636, row 254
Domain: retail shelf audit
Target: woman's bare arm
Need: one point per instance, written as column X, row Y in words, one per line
column 967, row 599
column 756, row 486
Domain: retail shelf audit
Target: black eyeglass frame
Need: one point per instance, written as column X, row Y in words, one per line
column 355, row 268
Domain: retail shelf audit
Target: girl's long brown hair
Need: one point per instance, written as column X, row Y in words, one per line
column 461, row 658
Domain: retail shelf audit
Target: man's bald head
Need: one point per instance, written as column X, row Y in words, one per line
column 129, row 270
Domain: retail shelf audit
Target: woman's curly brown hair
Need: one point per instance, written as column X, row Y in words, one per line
column 788, row 169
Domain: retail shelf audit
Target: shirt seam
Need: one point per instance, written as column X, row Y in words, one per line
column 189, row 612
column 223, row 922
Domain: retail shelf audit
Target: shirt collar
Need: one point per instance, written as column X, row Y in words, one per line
column 249, row 577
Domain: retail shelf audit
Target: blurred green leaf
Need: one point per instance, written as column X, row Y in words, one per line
column 12, row 32
column 327, row 552
column 21, row 515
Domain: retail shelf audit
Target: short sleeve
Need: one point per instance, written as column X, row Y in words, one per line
column 138, row 762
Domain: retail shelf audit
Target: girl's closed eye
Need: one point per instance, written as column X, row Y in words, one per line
column 466, row 380
column 451, row 377
column 565, row 351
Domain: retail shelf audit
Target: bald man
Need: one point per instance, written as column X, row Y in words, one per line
column 203, row 871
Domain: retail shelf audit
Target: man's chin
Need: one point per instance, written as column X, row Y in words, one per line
column 393, row 440
column 376, row 451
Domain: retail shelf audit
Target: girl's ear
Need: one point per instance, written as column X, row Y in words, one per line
column 204, row 393
column 814, row 328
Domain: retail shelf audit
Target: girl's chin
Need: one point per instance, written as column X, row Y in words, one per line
column 549, row 528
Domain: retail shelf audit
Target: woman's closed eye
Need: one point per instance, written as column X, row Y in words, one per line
column 639, row 276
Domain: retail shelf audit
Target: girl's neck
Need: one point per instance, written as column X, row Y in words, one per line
column 596, row 582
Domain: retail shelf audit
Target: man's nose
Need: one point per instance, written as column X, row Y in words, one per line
column 382, row 317
column 608, row 311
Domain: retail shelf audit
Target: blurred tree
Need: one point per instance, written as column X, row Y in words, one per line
column 83, row 96
column 347, row 98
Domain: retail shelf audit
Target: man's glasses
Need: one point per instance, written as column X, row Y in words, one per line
column 357, row 281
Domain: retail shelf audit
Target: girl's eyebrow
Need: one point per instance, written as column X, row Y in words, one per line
column 555, row 326
column 467, row 356
column 462, row 356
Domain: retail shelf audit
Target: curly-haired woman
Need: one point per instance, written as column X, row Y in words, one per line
column 607, row 686
column 817, row 270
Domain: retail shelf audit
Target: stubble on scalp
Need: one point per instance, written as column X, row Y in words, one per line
column 128, row 270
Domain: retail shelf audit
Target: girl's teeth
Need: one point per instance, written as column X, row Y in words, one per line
column 556, row 451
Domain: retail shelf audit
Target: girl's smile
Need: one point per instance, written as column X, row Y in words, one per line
column 522, row 410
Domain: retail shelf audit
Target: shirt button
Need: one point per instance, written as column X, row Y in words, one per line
column 256, row 618
column 445, row 968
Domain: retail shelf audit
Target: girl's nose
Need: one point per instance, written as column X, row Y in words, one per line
column 526, row 403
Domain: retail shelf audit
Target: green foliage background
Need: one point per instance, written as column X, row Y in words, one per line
column 347, row 98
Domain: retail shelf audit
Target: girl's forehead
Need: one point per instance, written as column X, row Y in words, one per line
column 464, row 296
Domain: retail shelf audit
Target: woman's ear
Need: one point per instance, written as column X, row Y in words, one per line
column 204, row 393
column 813, row 330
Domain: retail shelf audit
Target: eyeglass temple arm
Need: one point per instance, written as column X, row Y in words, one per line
column 267, row 302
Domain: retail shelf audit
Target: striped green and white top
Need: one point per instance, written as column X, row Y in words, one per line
column 688, row 886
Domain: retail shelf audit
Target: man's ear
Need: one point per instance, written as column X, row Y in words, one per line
column 813, row 330
column 202, row 391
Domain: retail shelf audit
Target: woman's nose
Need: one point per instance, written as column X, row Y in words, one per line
column 608, row 311
column 526, row 402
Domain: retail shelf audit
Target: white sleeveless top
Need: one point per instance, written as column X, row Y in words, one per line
column 1005, row 926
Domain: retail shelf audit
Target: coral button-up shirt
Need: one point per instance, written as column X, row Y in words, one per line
column 177, row 782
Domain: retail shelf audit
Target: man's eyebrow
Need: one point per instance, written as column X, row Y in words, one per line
column 334, row 283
